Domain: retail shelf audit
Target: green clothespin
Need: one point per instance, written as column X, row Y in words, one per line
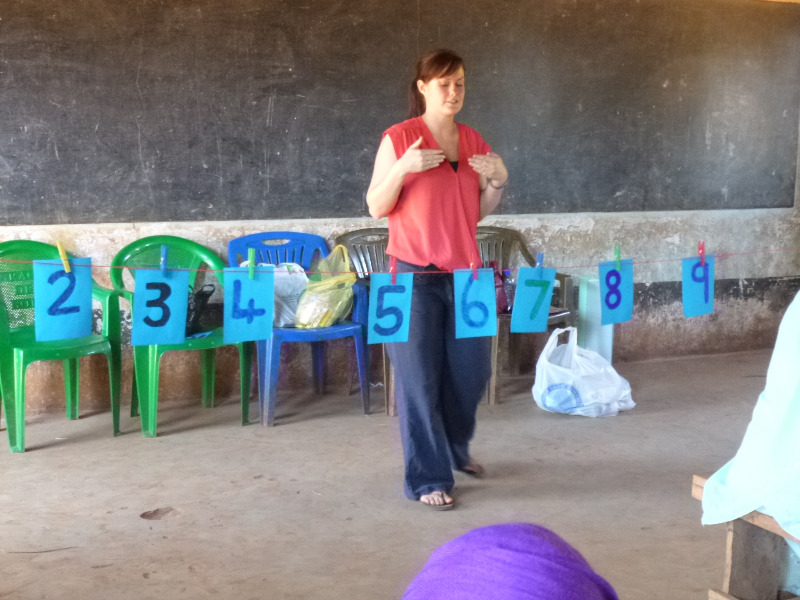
column 617, row 258
column 251, row 262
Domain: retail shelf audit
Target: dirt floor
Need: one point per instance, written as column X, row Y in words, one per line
column 314, row 508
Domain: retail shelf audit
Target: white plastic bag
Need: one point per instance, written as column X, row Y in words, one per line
column 290, row 283
column 576, row 381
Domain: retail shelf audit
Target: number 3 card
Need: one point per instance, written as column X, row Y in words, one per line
column 159, row 307
column 62, row 302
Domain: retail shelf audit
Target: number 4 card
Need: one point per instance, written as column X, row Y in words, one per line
column 249, row 304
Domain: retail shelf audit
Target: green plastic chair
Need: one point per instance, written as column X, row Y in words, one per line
column 182, row 254
column 19, row 348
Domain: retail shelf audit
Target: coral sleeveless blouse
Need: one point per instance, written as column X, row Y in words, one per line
column 436, row 216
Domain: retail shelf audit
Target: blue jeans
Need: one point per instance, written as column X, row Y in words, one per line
column 440, row 382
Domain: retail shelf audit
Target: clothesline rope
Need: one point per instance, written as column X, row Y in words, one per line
column 719, row 255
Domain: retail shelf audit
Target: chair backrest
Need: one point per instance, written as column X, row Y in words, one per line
column 16, row 279
column 367, row 249
column 500, row 243
column 146, row 253
column 275, row 247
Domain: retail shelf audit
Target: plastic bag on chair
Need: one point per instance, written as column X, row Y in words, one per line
column 575, row 381
column 328, row 297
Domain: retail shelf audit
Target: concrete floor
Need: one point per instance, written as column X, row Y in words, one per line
column 313, row 508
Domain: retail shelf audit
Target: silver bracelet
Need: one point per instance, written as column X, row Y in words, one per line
column 498, row 187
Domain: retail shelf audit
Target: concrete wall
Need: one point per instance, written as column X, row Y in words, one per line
column 756, row 268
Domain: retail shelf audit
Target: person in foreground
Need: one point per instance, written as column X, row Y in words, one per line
column 509, row 561
column 435, row 179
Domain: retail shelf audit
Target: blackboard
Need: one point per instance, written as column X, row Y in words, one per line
column 260, row 109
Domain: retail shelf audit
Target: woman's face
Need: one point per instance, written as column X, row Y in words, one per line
column 444, row 94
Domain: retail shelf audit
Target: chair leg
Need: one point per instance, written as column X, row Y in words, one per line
column 146, row 365
column 318, row 366
column 134, row 396
column 16, row 426
column 71, row 367
column 245, row 373
column 491, row 388
column 269, row 361
column 114, row 376
column 15, row 421
column 208, row 362
column 362, row 359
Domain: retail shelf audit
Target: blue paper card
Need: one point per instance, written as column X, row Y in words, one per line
column 62, row 302
column 249, row 304
column 159, row 307
column 532, row 299
column 698, row 286
column 476, row 306
column 616, row 292
column 389, row 307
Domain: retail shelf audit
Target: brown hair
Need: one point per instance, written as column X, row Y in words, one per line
column 439, row 63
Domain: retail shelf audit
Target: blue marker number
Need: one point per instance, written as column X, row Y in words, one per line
column 469, row 306
column 382, row 310
column 58, row 308
column 164, row 292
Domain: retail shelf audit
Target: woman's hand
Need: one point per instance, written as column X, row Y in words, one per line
column 417, row 160
column 490, row 166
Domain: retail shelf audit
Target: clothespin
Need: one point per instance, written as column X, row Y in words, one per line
column 701, row 250
column 164, row 253
column 64, row 258
column 540, row 259
column 617, row 258
column 393, row 269
column 474, row 271
column 251, row 262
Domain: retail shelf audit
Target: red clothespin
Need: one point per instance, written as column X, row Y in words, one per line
column 393, row 269
column 701, row 250
column 474, row 271
column 64, row 258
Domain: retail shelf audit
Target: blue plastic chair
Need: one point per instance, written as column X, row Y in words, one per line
column 284, row 246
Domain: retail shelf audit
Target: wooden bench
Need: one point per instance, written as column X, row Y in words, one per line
column 754, row 552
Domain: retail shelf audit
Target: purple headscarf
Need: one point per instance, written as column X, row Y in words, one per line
column 510, row 561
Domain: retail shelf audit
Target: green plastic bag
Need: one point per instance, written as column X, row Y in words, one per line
column 328, row 297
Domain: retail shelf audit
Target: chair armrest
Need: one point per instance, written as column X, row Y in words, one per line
column 109, row 303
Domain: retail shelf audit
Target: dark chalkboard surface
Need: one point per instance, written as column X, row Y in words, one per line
column 249, row 109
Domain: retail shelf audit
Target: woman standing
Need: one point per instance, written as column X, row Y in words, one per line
column 435, row 179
